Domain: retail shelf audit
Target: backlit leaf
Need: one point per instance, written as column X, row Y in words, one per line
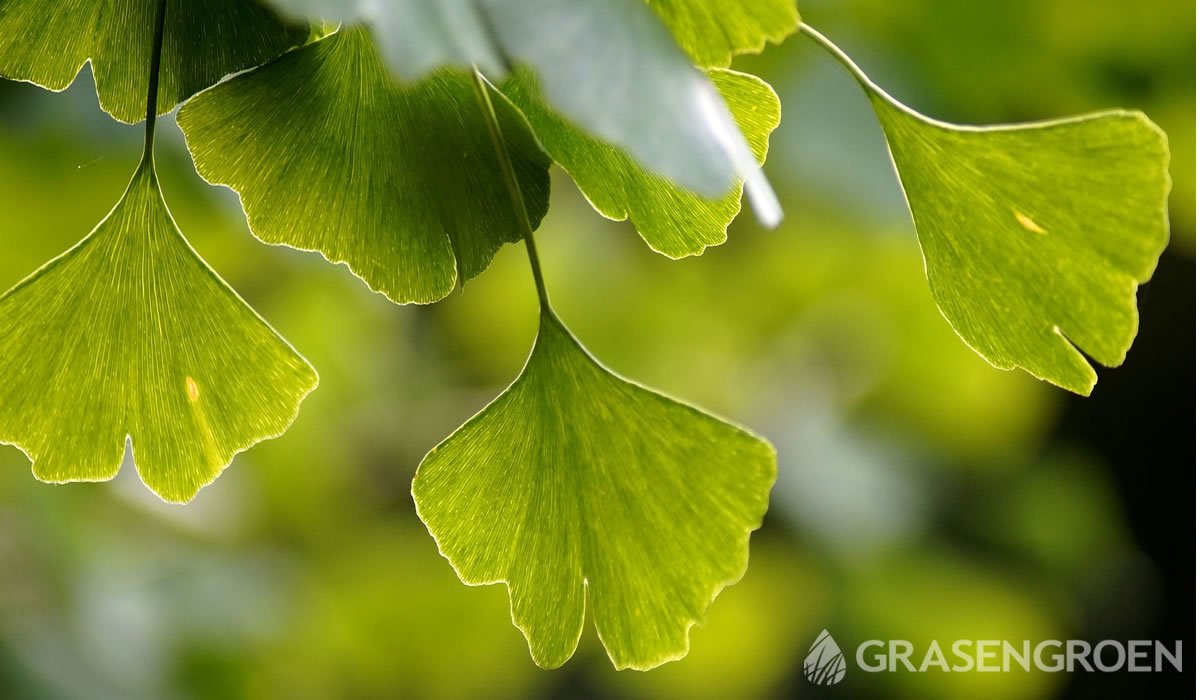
column 129, row 335
column 398, row 181
column 47, row 42
column 1035, row 236
column 578, row 489
column 674, row 221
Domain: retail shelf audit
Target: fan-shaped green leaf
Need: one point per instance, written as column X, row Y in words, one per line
column 712, row 32
column 131, row 336
column 399, row 181
column 674, row 221
column 47, row 42
column 1035, row 236
column 611, row 67
column 576, row 485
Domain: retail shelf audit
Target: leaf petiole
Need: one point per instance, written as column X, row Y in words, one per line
column 152, row 93
column 510, row 180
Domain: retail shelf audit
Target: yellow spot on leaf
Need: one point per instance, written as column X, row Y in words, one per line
column 193, row 390
column 1029, row 224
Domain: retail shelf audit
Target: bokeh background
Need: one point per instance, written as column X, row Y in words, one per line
column 922, row 494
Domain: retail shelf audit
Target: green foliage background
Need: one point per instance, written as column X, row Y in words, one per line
column 921, row 493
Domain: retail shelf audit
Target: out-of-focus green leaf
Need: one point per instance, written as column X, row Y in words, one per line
column 46, row 42
column 611, row 67
column 1035, row 236
column 712, row 32
column 416, row 36
column 576, row 485
column 673, row 220
column 130, row 335
column 400, row 182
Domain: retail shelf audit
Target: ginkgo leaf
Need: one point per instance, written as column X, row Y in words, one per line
column 712, row 32
column 398, row 181
column 612, row 67
column 673, row 220
column 130, row 336
column 47, row 42
column 578, row 489
column 1035, row 236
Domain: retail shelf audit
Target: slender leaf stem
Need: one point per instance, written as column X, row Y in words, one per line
column 152, row 93
column 836, row 52
column 869, row 86
column 514, row 187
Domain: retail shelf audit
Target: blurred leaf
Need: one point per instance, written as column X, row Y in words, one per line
column 416, row 36
column 1035, row 236
column 673, row 220
column 613, row 68
column 130, row 335
column 576, row 484
column 46, row 42
column 400, row 182
column 712, row 32
column 610, row 67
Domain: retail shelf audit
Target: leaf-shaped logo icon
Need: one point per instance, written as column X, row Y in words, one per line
column 825, row 664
